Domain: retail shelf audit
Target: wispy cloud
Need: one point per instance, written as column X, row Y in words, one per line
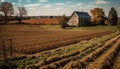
column 31, row 8
column 72, row 6
column 58, row 8
column 60, row 4
column 91, row 6
column 47, row 6
column 99, row 2
column 43, row 0
column 13, row 3
column 79, row 4
column 32, row 5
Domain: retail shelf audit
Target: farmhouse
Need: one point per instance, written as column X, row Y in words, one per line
column 79, row 19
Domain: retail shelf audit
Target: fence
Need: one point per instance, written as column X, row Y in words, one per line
column 6, row 50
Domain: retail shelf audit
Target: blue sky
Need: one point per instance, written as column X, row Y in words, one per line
column 60, row 7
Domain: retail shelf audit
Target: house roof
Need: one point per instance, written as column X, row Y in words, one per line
column 81, row 14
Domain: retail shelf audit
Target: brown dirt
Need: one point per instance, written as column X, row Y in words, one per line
column 30, row 39
column 117, row 62
column 106, row 59
column 101, row 58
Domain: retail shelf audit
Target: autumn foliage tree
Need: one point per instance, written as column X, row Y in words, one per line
column 113, row 16
column 7, row 9
column 22, row 11
column 97, row 16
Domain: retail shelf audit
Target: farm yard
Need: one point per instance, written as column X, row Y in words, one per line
column 38, row 47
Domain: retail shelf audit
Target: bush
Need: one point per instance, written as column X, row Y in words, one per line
column 63, row 25
column 108, row 22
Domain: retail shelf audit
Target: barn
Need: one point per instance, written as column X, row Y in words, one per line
column 79, row 19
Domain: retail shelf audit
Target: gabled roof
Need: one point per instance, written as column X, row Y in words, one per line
column 81, row 14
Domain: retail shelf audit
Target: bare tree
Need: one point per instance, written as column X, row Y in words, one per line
column 7, row 9
column 22, row 11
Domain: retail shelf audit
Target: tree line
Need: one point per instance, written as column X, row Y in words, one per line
column 98, row 17
column 7, row 9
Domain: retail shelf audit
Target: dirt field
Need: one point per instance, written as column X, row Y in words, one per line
column 43, row 48
column 40, row 21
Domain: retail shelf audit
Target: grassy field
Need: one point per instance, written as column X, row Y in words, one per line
column 82, row 28
column 95, row 28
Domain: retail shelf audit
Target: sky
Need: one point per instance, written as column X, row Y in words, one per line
column 60, row 7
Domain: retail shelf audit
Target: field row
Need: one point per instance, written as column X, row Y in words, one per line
column 61, row 57
column 81, row 60
column 95, row 60
column 33, row 42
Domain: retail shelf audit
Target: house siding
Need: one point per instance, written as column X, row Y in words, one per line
column 74, row 20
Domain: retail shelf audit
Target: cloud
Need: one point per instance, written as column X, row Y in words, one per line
column 58, row 8
column 43, row 0
column 79, row 4
column 47, row 6
column 31, row 8
column 72, row 6
column 28, row 1
column 60, row 4
column 13, row 3
column 32, row 5
column 2, row 0
column 91, row 6
column 99, row 2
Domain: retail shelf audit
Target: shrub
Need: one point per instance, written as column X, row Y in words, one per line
column 108, row 22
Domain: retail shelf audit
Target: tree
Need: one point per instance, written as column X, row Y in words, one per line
column 119, row 24
column 7, row 9
column 97, row 16
column 22, row 11
column 63, row 22
column 113, row 16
